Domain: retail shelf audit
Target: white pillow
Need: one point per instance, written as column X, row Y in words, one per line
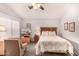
column 45, row 33
column 52, row 33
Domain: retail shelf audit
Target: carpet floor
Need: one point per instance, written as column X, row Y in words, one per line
column 30, row 51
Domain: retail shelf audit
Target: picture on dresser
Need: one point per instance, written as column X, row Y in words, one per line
column 72, row 27
column 66, row 26
column 28, row 28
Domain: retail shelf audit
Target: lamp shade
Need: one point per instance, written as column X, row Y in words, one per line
column 2, row 28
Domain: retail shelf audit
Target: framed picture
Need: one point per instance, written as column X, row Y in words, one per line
column 66, row 26
column 72, row 27
column 28, row 26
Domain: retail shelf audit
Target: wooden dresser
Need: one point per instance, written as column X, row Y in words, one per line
column 2, row 48
column 12, row 48
column 9, row 48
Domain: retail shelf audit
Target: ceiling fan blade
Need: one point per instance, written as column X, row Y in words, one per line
column 41, row 7
column 30, row 7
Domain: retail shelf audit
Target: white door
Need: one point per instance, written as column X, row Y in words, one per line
column 15, row 29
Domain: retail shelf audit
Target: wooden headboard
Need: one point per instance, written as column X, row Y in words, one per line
column 48, row 29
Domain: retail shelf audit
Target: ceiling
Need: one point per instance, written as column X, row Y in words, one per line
column 52, row 10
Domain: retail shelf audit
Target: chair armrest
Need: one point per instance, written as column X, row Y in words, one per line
column 36, row 38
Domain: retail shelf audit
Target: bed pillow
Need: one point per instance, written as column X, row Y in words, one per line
column 52, row 33
column 45, row 33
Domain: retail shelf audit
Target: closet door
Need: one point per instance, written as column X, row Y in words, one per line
column 8, row 28
column 15, row 29
column 12, row 28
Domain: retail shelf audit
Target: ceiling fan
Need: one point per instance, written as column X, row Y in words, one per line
column 35, row 6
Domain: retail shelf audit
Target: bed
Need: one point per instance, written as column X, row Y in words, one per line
column 50, row 42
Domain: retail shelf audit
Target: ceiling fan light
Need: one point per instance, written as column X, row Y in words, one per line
column 38, row 5
column 35, row 5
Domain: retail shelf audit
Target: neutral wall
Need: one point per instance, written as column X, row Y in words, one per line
column 72, row 15
column 37, row 23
